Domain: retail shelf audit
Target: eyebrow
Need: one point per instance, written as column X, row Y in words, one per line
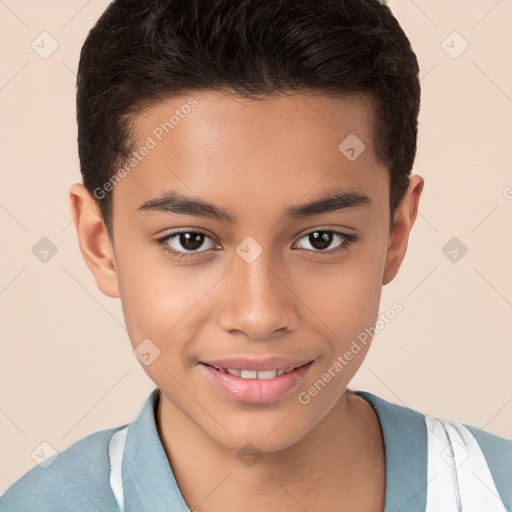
column 176, row 202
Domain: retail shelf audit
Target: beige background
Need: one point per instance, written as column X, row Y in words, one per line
column 66, row 365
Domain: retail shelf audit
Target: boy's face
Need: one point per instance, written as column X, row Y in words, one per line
column 262, row 285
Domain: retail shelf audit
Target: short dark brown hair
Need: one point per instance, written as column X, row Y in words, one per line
column 140, row 52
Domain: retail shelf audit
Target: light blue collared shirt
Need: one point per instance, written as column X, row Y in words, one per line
column 80, row 478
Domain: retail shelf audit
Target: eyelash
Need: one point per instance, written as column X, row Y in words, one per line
column 347, row 241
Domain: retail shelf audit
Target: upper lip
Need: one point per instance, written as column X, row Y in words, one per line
column 261, row 364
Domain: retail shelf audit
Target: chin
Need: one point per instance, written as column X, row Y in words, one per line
column 269, row 435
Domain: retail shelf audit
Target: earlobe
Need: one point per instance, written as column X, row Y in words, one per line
column 95, row 245
column 405, row 216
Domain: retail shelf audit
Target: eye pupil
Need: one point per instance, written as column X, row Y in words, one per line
column 191, row 241
column 320, row 241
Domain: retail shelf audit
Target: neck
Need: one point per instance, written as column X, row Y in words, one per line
column 348, row 467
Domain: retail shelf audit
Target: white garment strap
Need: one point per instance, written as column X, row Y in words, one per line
column 115, row 453
column 459, row 479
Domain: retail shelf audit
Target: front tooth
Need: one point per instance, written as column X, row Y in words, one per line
column 267, row 374
column 233, row 372
column 249, row 374
column 280, row 372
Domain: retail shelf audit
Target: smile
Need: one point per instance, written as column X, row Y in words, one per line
column 256, row 386
column 255, row 374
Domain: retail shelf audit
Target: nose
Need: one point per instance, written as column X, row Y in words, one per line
column 258, row 300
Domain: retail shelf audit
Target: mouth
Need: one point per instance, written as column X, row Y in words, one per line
column 252, row 384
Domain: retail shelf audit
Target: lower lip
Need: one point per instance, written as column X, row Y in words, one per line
column 256, row 391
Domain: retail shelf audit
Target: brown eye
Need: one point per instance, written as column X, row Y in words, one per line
column 186, row 242
column 320, row 239
column 326, row 240
column 191, row 241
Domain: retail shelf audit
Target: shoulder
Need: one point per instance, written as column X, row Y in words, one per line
column 78, row 478
column 478, row 463
column 498, row 455
column 474, row 458
column 495, row 448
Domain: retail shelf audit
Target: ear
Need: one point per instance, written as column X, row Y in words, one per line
column 405, row 215
column 95, row 245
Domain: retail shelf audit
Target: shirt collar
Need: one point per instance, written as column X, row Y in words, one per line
column 148, row 480
column 405, row 444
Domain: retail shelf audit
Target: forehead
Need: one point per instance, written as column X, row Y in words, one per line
column 226, row 148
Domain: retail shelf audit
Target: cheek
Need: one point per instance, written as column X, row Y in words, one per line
column 161, row 302
column 345, row 297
